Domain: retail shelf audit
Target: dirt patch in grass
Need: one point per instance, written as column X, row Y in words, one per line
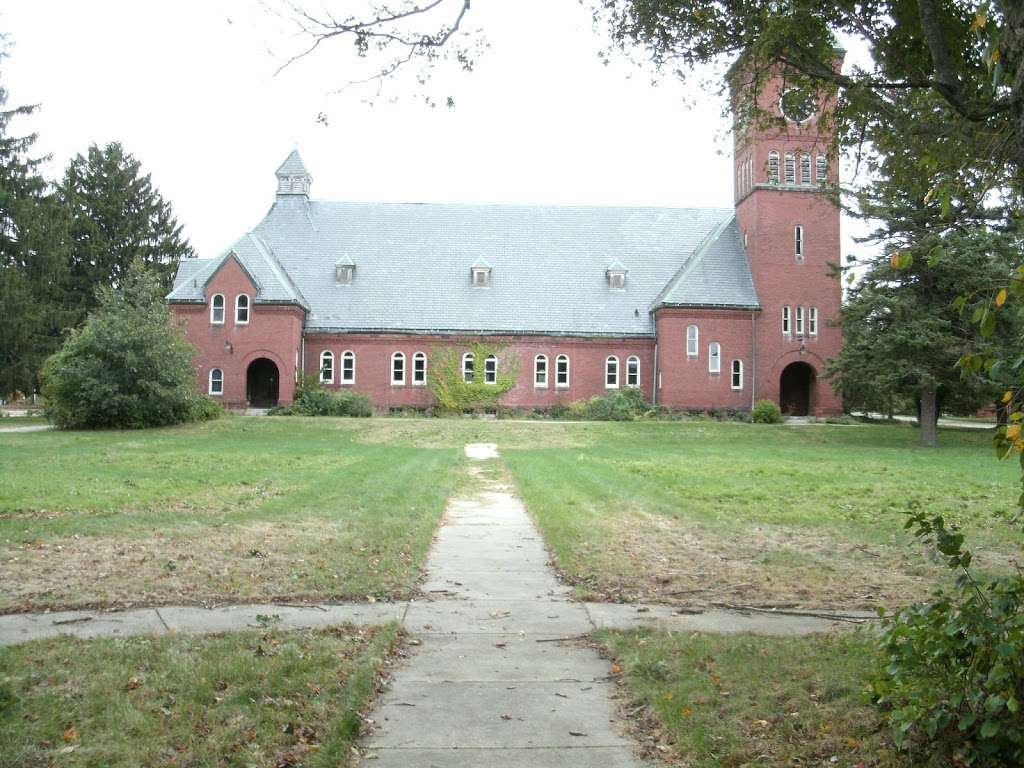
column 653, row 558
column 309, row 559
column 267, row 698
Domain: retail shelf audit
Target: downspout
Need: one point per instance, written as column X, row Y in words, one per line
column 753, row 358
column 654, row 378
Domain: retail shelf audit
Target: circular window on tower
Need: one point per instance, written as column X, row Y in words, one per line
column 797, row 105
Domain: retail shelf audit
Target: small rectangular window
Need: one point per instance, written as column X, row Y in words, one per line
column 799, row 321
column 786, row 328
column 798, row 242
column 481, row 277
column 812, row 321
column 691, row 340
column 714, row 357
column 540, row 371
column 737, row 374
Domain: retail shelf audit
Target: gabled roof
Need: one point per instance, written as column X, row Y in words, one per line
column 292, row 165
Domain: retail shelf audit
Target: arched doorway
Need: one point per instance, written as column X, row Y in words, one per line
column 261, row 383
column 795, row 387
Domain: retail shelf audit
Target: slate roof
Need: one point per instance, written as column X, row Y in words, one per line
column 548, row 266
column 292, row 166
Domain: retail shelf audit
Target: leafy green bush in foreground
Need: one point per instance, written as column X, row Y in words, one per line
column 311, row 399
column 621, row 405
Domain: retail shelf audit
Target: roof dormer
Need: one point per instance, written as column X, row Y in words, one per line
column 616, row 276
column 344, row 270
column 292, row 176
column 480, row 274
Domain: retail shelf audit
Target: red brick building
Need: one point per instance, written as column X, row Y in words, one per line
column 699, row 308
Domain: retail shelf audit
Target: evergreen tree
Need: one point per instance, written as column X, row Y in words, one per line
column 32, row 263
column 116, row 217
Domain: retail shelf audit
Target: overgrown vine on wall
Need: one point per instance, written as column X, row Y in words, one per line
column 454, row 393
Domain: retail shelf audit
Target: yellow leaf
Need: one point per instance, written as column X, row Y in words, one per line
column 1001, row 297
column 616, row 669
column 929, row 196
column 894, row 260
column 1013, row 432
column 71, row 734
column 996, row 55
column 1007, row 395
column 686, row 712
column 980, row 20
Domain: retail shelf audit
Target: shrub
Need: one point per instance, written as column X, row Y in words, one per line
column 127, row 367
column 311, row 399
column 765, row 412
column 205, row 408
column 951, row 675
column 623, row 405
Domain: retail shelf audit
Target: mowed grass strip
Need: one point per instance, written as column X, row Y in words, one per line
column 711, row 701
column 705, row 512
column 251, row 698
column 243, row 509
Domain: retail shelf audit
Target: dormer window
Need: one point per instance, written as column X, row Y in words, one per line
column 344, row 271
column 480, row 274
column 616, row 276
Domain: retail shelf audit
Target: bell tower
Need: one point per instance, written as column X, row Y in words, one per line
column 785, row 165
column 292, row 176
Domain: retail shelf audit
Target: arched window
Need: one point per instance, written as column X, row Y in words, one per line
column 821, row 169
column 216, row 381
column 540, row 371
column 799, row 321
column 790, row 168
column 490, row 370
column 773, row 167
column 692, row 336
column 398, row 369
column 217, row 309
column 714, row 357
column 467, row 367
column 812, row 321
column 786, row 327
column 798, row 242
column 633, row 372
column 326, row 367
column 805, row 168
column 562, row 371
column 348, row 367
column 737, row 374
column 241, row 309
column 419, row 369
column 611, row 372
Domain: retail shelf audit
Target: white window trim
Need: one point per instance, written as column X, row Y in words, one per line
column 326, row 356
column 633, row 359
column 773, row 167
column 608, row 362
column 821, row 169
column 418, row 356
column 714, row 357
column 537, row 361
column 350, row 355
column 812, row 321
column 213, row 309
column 692, row 345
column 799, row 321
column 805, row 168
column 558, row 360
column 490, row 370
column 397, row 382
column 798, row 242
column 248, row 308
column 789, row 168
column 787, row 321
column 737, row 370
column 468, row 357
column 209, row 388
column 480, row 272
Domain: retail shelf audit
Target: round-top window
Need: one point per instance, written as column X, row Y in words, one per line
column 797, row 105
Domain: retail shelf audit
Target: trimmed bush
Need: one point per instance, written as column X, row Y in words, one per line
column 765, row 412
column 311, row 399
column 127, row 367
column 622, row 405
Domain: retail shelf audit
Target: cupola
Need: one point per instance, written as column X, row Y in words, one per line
column 292, row 176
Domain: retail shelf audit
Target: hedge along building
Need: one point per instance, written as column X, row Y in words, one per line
column 699, row 308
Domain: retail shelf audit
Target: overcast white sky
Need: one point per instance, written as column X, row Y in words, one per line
column 188, row 88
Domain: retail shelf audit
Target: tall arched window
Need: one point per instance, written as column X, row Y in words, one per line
column 714, row 357
column 217, row 309
column 348, row 367
column 490, row 369
column 467, row 367
column 812, row 321
column 790, row 168
column 633, row 372
column 562, row 371
column 540, row 371
column 326, row 367
column 398, row 368
column 241, row 309
column 692, row 340
column 216, row 381
column 773, row 167
column 821, row 169
column 611, row 372
column 805, row 168
column 798, row 242
column 737, row 374
column 419, row 369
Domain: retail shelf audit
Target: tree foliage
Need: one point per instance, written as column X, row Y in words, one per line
column 456, row 392
column 127, row 367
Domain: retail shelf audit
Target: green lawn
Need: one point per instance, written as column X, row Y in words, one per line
column 714, row 701
column 703, row 512
column 238, row 509
column 268, row 698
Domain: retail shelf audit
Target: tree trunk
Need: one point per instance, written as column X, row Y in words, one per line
column 929, row 416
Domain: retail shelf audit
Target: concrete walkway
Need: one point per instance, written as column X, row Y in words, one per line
column 27, row 428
